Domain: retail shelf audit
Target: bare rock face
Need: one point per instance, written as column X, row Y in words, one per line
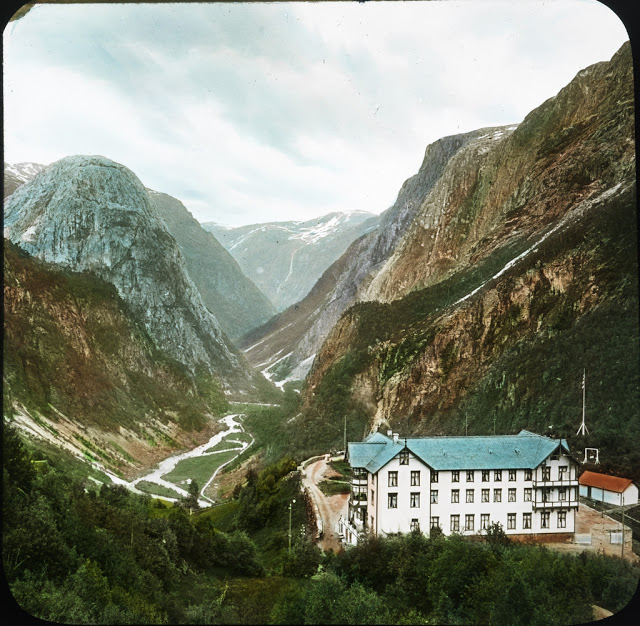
column 90, row 214
column 236, row 302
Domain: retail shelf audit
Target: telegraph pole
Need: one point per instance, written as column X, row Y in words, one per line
column 345, row 436
column 290, row 505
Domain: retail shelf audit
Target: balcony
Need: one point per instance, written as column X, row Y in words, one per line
column 566, row 482
column 358, row 498
column 555, row 504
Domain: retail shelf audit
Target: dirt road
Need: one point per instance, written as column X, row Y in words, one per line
column 329, row 507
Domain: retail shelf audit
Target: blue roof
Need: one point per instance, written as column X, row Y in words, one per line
column 523, row 451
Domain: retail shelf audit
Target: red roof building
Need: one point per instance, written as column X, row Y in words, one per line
column 608, row 489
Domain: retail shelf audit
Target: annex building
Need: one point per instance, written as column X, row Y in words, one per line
column 526, row 482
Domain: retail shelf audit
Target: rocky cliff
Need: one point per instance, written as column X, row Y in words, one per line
column 236, row 302
column 516, row 271
column 88, row 213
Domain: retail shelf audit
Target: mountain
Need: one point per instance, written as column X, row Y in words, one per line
column 17, row 174
column 511, row 274
column 91, row 214
column 289, row 355
column 285, row 259
column 235, row 301
column 238, row 305
column 83, row 373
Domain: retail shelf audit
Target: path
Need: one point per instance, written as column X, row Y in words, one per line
column 329, row 507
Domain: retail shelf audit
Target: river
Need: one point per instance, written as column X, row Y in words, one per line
column 232, row 422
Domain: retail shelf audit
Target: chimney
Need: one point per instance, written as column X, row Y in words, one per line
column 389, row 433
column 395, row 437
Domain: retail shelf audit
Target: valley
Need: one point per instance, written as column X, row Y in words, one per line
column 178, row 396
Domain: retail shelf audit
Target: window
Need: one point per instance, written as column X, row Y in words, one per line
column 544, row 519
column 415, row 500
column 455, row 523
column 484, row 496
column 485, row 476
column 484, row 521
column 455, row 495
column 526, row 520
column 497, row 495
column 469, row 495
column 563, row 472
column 373, row 497
column 511, row 521
column 497, row 475
column 404, row 457
column 546, row 494
column 372, row 521
column 434, row 477
column 470, row 474
column 415, row 525
column 512, row 475
column 415, row 478
column 512, row 495
column 546, row 473
column 469, row 522
column 434, row 496
column 562, row 493
column 435, row 522
column 562, row 519
column 527, row 494
column 527, row 474
column 393, row 501
column 393, row 479
column 455, row 476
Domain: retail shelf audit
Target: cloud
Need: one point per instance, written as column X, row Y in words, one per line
column 250, row 112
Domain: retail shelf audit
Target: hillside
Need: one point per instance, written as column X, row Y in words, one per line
column 286, row 259
column 81, row 372
column 518, row 271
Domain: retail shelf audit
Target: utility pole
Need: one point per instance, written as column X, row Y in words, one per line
column 290, row 505
column 622, row 495
column 345, row 436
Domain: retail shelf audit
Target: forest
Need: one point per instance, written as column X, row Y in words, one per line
column 78, row 552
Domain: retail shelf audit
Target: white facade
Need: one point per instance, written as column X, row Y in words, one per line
column 407, row 493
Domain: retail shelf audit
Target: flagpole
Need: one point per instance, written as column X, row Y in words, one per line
column 583, row 427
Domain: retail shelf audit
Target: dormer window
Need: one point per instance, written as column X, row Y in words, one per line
column 404, row 457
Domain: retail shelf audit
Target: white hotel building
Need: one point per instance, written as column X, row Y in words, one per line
column 526, row 482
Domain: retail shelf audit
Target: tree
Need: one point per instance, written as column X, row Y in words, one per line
column 191, row 501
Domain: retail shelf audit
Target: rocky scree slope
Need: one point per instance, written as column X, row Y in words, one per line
column 80, row 372
column 286, row 259
column 238, row 305
column 88, row 213
column 518, row 271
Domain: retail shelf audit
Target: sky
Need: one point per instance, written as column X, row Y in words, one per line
column 262, row 112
